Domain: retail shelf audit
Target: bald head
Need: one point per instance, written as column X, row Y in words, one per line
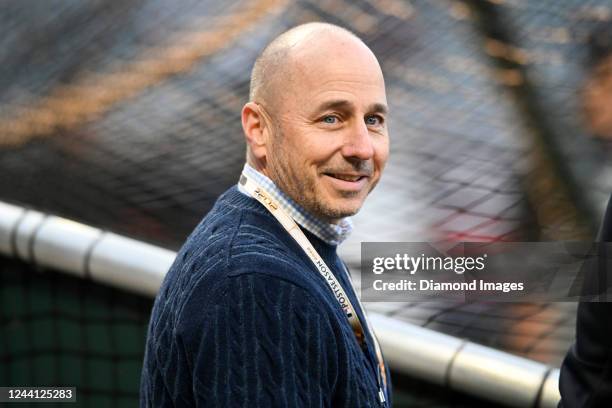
column 275, row 67
column 316, row 121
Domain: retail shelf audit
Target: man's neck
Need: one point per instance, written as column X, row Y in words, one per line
column 330, row 232
column 259, row 167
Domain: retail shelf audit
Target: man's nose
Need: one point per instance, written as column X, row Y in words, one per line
column 358, row 143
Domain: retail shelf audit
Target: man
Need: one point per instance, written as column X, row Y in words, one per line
column 586, row 373
column 255, row 311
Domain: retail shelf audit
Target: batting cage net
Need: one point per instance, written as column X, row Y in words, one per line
column 64, row 331
column 126, row 116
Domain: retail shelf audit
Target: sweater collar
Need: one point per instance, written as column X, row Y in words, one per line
column 332, row 234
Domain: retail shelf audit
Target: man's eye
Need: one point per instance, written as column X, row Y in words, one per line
column 330, row 119
column 374, row 120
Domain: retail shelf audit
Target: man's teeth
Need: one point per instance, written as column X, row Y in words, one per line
column 346, row 178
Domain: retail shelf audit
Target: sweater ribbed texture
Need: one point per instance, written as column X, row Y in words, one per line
column 243, row 319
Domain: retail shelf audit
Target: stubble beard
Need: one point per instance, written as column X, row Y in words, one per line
column 301, row 188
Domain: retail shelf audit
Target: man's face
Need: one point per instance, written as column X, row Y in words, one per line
column 330, row 141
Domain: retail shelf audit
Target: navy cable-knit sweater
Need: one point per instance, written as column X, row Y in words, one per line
column 243, row 319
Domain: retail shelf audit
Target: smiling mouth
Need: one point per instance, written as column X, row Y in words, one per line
column 346, row 177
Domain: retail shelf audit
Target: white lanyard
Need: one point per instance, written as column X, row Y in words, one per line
column 260, row 194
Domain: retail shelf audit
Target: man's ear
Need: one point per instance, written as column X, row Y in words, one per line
column 256, row 131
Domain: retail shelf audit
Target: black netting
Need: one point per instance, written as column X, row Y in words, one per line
column 59, row 330
column 125, row 116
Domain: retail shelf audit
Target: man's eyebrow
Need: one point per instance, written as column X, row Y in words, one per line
column 380, row 108
column 342, row 104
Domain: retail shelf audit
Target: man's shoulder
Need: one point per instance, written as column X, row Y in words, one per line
column 238, row 238
column 232, row 241
column 242, row 246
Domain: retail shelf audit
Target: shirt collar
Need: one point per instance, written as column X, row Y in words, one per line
column 332, row 234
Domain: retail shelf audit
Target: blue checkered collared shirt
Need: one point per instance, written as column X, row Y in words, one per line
column 333, row 234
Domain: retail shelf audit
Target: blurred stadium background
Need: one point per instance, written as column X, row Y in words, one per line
column 125, row 116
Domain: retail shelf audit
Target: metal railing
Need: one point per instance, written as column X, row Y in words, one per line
column 111, row 259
